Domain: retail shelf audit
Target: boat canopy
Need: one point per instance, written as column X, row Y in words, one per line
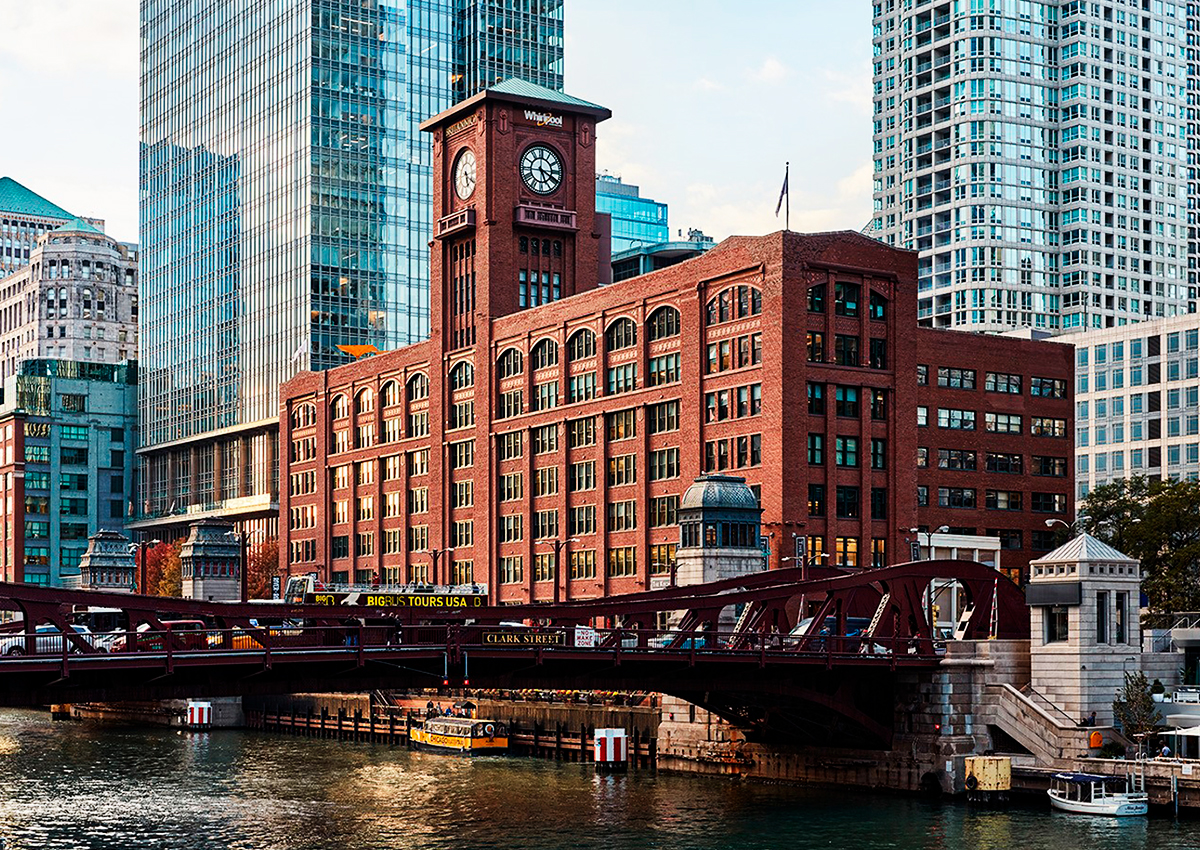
column 1081, row 777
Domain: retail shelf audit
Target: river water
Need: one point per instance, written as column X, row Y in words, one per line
column 71, row 785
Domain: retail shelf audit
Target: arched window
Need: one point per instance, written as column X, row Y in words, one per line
column 664, row 323
column 545, row 353
column 418, row 387
column 510, row 363
column 340, row 407
column 621, row 334
column 462, row 375
column 364, row 402
column 390, row 394
column 582, row 344
column 736, row 302
column 303, row 416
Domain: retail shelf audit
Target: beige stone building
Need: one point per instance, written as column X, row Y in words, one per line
column 75, row 300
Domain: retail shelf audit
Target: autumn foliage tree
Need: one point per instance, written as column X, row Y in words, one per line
column 163, row 569
column 263, row 565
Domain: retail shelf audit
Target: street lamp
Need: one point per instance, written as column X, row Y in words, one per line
column 434, row 554
column 558, row 545
column 941, row 529
column 241, row 538
column 1069, row 526
column 803, row 561
column 138, row 550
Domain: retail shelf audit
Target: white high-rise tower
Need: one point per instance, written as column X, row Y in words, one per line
column 1036, row 154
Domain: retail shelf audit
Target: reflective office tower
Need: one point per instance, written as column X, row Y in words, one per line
column 285, row 203
column 636, row 221
column 1035, row 154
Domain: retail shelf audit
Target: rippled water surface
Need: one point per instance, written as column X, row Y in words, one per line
column 69, row 785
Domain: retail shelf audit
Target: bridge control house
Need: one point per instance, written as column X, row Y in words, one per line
column 551, row 418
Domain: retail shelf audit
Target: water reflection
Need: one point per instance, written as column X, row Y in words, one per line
column 79, row 786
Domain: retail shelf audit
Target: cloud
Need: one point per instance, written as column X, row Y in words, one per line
column 771, row 71
column 705, row 84
column 854, row 89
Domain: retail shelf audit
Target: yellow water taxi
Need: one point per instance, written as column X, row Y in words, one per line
column 466, row 735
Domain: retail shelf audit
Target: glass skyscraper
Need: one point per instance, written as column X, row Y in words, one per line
column 285, row 203
column 636, row 221
column 1036, row 154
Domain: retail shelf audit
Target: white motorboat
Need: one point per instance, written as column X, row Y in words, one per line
column 1091, row 794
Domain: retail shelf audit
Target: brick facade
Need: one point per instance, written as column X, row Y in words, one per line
column 787, row 358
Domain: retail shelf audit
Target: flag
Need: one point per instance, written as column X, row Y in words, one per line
column 299, row 351
column 782, row 192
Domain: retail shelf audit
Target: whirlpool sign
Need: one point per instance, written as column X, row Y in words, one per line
column 543, row 119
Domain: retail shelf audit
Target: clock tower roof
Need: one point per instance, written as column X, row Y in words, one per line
column 526, row 94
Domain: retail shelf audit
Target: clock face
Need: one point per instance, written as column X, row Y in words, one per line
column 541, row 169
column 464, row 174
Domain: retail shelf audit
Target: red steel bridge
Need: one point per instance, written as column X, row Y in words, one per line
column 763, row 673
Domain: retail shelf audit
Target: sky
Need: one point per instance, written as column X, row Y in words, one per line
column 709, row 99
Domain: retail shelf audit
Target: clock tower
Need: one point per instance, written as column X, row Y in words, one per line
column 514, row 206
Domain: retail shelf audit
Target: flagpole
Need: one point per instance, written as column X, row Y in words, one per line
column 787, row 199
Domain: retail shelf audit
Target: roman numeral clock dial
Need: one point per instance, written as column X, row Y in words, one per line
column 541, row 169
column 464, row 174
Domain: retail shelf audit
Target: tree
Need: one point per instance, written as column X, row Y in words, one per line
column 154, row 555
column 263, row 565
column 1157, row 522
column 1135, row 710
column 171, row 581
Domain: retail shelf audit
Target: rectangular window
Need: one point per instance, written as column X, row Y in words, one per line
column 512, row 486
column 545, row 396
column 462, row 533
column 922, row 416
column 581, row 387
column 622, row 516
column 878, row 552
column 543, row 567
column 512, row 528
column 847, row 401
column 877, row 400
column 545, row 525
column 663, row 416
column 418, row 538
column 816, row 500
column 546, row 481
column 545, row 439
column 816, row 399
column 582, row 476
column 1002, row 423
column 509, row 445
column 922, row 375
column 816, row 347
column 960, row 459
column 1119, row 627
column 877, row 354
column 662, row 558
column 583, row 564
column 340, row 546
column 462, row 414
column 622, row 425
column 418, row 424
column 1009, row 464
column 816, row 449
column 1002, row 500
column 847, row 502
column 664, row 511
column 1048, row 503
column 845, row 350
column 1049, row 467
column 462, row 454
column 418, row 462
column 956, row 497
column 846, row 451
column 622, row 470
column 1047, row 387
column 1102, row 617
column 846, row 552
column 878, row 453
column 956, row 420
column 583, row 520
column 816, row 298
column 663, row 370
column 664, row 464
column 581, row 432
column 508, row 404
column 956, row 379
column 622, row 561
column 512, row 570
column 1041, row 426
column 622, row 379
column 1002, row 382
column 1055, row 617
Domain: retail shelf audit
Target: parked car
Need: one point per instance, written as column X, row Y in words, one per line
column 47, row 639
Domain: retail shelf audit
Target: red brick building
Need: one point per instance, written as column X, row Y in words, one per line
column 548, row 414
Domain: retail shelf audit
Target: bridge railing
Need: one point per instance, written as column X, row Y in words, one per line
column 470, row 638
